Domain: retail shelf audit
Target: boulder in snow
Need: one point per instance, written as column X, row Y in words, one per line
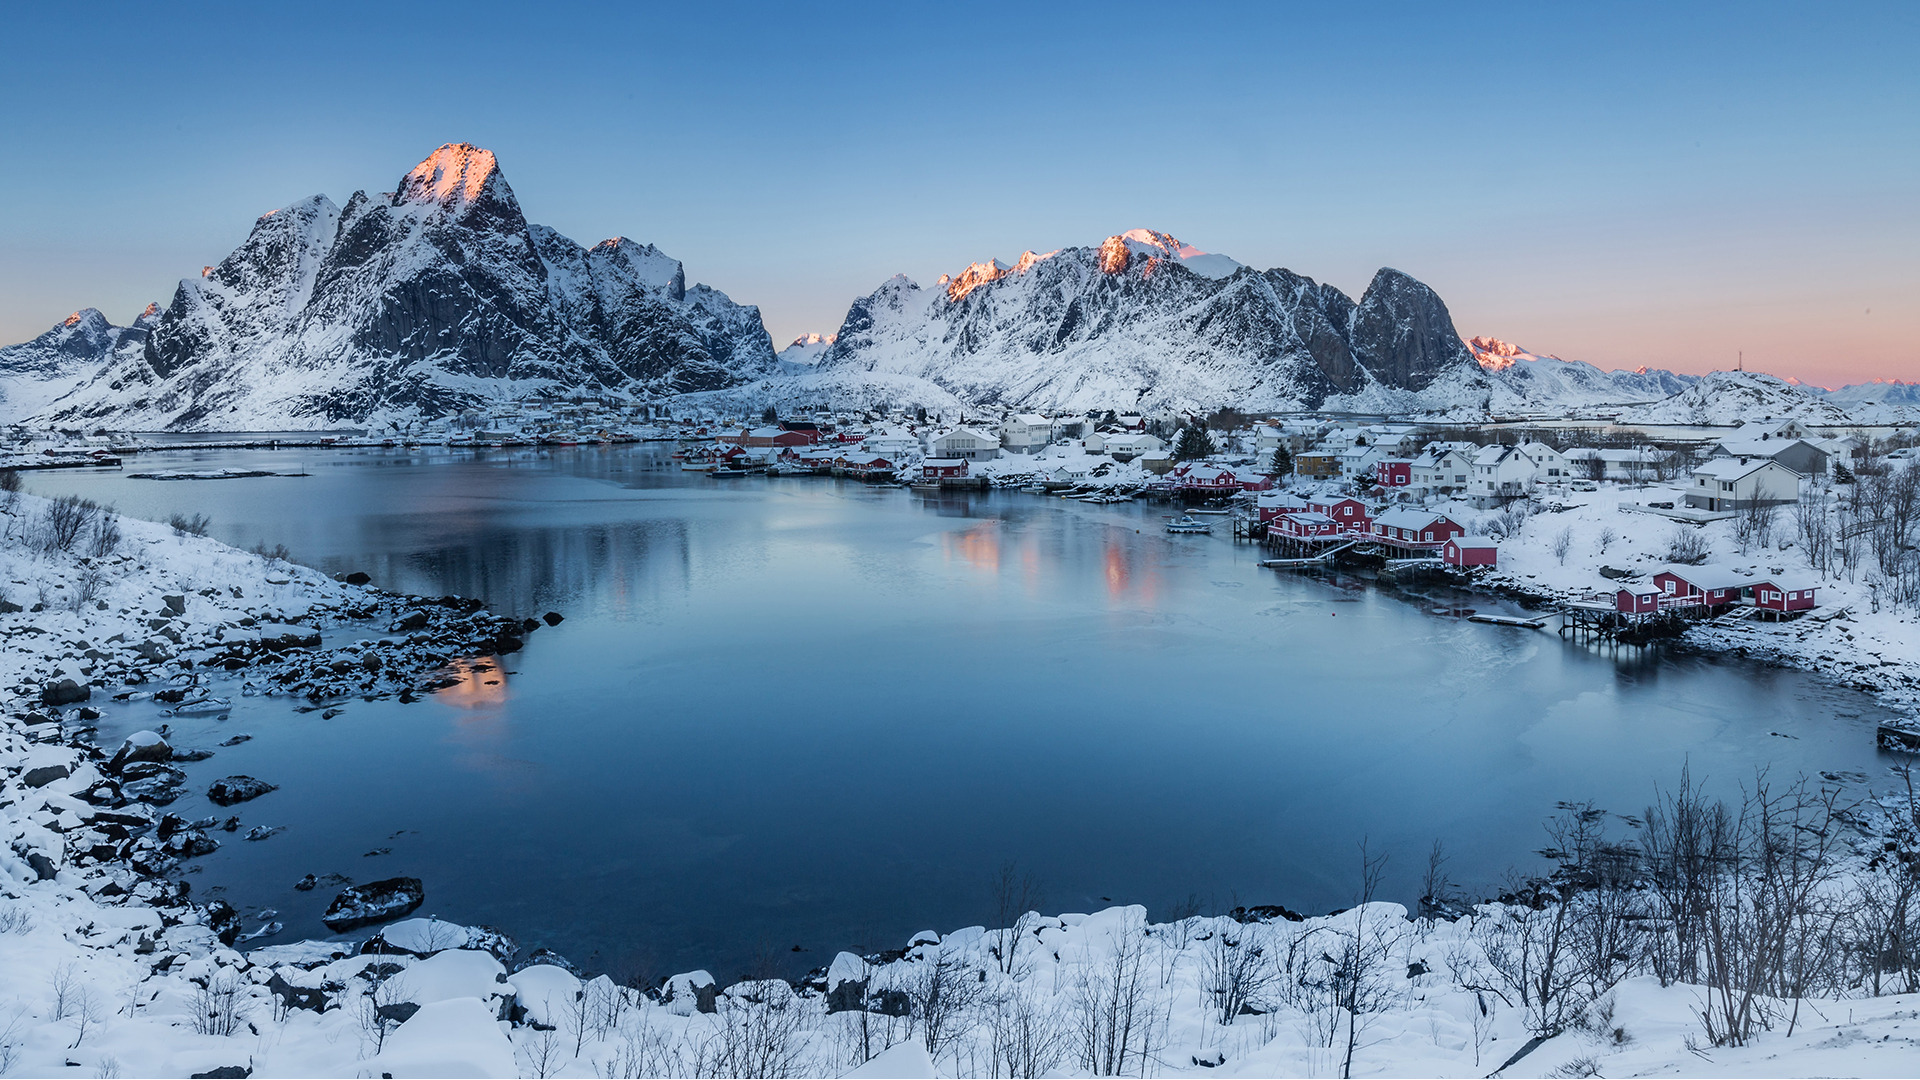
column 65, row 692
column 688, row 993
column 456, row 1037
column 140, row 746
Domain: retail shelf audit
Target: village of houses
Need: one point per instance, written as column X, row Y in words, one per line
column 1687, row 531
column 1401, row 492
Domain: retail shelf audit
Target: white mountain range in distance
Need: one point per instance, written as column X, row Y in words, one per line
column 440, row 296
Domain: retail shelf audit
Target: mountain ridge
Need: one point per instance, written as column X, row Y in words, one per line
column 437, row 297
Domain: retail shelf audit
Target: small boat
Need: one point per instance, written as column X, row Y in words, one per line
column 722, row 472
column 1185, row 523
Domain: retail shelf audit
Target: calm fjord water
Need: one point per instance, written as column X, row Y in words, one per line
column 807, row 712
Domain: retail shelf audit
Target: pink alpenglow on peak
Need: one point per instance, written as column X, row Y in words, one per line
column 974, row 276
column 1116, row 250
column 1496, row 355
column 455, row 176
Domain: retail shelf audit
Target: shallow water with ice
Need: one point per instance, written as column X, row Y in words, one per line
column 812, row 713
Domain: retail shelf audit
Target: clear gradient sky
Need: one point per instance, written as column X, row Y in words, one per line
column 1666, row 184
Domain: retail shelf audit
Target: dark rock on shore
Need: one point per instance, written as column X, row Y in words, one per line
column 554, row 618
column 237, row 789
column 140, row 746
column 44, row 775
column 223, row 921
column 374, row 902
column 65, row 692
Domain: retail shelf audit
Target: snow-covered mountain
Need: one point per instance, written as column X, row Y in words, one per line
column 1528, row 380
column 35, row 373
column 1144, row 321
column 1732, row 397
column 805, row 351
column 436, row 297
column 1882, row 401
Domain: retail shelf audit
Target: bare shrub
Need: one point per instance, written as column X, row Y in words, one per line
column 1016, row 899
column 219, row 1004
column 64, row 522
column 757, row 1032
column 1116, row 1022
column 1235, row 971
column 190, row 525
column 104, row 538
column 1025, row 1034
column 1687, row 545
column 1563, row 543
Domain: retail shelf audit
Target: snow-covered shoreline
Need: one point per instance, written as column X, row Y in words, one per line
column 1850, row 643
column 107, row 970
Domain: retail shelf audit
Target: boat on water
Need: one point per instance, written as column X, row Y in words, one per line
column 1187, row 523
column 725, row 471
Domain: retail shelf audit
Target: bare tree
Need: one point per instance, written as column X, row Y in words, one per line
column 1563, row 543
column 1115, row 1021
column 1026, row 1037
column 1360, row 978
column 1016, row 901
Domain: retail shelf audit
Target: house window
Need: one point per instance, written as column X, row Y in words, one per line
column 1429, row 534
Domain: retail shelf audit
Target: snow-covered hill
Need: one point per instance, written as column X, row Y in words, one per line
column 1144, row 321
column 1525, row 380
column 1731, row 397
column 1882, row 401
column 35, row 373
column 437, row 297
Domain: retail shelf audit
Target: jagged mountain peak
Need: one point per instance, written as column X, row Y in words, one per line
column 456, row 177
column 438, row 297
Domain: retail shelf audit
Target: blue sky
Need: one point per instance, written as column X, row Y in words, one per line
column 1662, row 184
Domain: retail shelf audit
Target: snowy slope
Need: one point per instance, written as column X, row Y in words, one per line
column 437, row 297
column 35, row 373
column 1882, row 401
column 1144, row 321
column 1731, row 397
column 1526, row 380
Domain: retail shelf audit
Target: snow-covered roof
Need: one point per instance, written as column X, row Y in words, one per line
column 1791, row 582
column 943, row 463
column 1494, row 454
column 1757, row 445
column 1029, row 419
column 1710, row 578
column 1733, row 468
column 1475, row 542
column 1408, row 518
column 1309, row 517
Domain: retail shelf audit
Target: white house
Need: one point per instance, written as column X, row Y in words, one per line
column 965, row 442
column 1797, row 454
column 1128, row 447
column 1023, row 433
column 1738, row 483
column 1553, row 465
column 1440, row 470
column 1638, row 464
column 890, row 445
column 1499, row 473
column 1358, row 461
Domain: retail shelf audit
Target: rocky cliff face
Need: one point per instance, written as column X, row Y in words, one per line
column 1143, row 321
column 436, row 297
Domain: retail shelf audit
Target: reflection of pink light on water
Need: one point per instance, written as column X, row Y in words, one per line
column 979, row 547
column 1118, row 572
